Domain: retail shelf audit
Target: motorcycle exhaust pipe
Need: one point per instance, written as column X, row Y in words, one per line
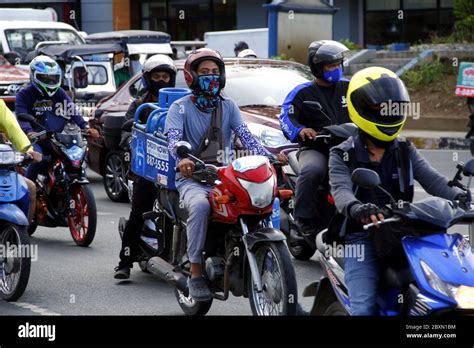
column 164, row 270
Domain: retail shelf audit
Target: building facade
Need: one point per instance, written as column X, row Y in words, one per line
column 365, row 22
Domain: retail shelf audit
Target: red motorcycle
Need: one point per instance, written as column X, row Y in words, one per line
column 243, row 253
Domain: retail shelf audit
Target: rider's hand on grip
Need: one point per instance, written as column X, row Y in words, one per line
column 186, row 167
column 366, row 213
column 36, row 157
column 307, row 134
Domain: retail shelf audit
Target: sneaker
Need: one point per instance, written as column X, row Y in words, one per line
column 122, row 272
column 198, row 289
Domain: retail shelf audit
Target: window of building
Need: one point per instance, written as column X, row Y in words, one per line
column 421, row 20
column 419, row 4
column 382, row 5
column 188, row 19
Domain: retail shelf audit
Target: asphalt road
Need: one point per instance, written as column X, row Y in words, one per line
column 69, row 280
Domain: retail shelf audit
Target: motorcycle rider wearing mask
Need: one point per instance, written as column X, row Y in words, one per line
column 189, row 119
column 45, row 100
column 158, row 72
column 378, row 147
column 301, row 122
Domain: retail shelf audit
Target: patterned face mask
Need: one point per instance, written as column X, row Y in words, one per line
column 206, row 96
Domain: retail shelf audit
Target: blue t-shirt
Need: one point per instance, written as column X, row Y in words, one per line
column 46, row 110
column 183, row 115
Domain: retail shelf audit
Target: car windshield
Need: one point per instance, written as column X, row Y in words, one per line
column 263, row 85
column 24, row 41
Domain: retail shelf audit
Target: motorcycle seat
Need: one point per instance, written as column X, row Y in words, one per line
column 321, row 246
column 394, row 278
column 293, row 161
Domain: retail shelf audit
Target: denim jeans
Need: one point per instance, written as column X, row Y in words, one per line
column 362, row 275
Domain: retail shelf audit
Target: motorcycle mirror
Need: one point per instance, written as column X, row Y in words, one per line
column 25, row 118
column 316, row 104
column 182, row 149
column 365, row 178
column 469, row 168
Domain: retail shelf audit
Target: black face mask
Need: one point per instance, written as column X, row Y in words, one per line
column 157, row 85
column 376, row 142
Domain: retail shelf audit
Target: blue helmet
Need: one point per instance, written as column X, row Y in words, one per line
column 45, row 75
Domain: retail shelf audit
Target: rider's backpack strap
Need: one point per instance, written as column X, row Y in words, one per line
column 212, row 143
column 405, row 169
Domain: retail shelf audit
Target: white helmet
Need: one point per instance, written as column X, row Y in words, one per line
column 247, row 53
column 159, row 62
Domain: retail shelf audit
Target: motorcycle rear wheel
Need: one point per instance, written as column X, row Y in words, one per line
column 82, row 219
column 190, row 306
column 335, row 308
column 14, row 271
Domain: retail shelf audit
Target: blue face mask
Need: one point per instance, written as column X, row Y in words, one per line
column 333, row 76
column 209, row 84
column 206, row 96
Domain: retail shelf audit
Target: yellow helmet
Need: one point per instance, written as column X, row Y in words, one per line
column 375, row 99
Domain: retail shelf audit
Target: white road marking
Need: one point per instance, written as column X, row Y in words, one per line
column 34, row 308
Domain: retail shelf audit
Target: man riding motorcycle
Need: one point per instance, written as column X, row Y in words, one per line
column 301, row 121
column 377, row 147
column 9, row 125
column 159, row 72
column 191, row 118
column 45, row 100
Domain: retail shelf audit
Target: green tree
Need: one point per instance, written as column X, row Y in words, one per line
column 464, row 24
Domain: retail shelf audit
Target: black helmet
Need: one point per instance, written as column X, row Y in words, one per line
column 239, row 46
column 324, row 52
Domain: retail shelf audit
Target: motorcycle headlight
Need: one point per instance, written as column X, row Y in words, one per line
column 74, row 153
column 268, row 136
column 435, row 281
column 10, row 157
column 464, row 296
column 261, row 194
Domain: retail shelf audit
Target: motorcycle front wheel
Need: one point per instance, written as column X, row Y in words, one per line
column 82, row 219
column 14, row 269
column 279, row 295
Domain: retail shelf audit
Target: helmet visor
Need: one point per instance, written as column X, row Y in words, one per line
column 383, row 101
column 330, row 52
column 48, row 80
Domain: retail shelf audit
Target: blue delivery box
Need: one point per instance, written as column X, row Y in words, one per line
column 150, row 156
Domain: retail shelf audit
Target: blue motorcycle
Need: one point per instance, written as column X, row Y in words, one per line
column 15, row 250
column 437, row 276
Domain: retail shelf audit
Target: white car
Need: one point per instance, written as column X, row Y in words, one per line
column 23, row 37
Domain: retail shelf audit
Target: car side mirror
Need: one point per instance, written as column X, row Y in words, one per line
column 365, row 178
column 182, row 149
column 80, row 76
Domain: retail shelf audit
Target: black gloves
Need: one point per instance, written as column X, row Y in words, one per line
column 463, row 199
column 360, row 211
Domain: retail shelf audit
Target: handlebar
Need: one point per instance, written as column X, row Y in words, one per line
column 378, row 223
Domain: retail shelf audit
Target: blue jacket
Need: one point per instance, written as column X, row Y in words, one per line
column 295, row 115
column 46, row 110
